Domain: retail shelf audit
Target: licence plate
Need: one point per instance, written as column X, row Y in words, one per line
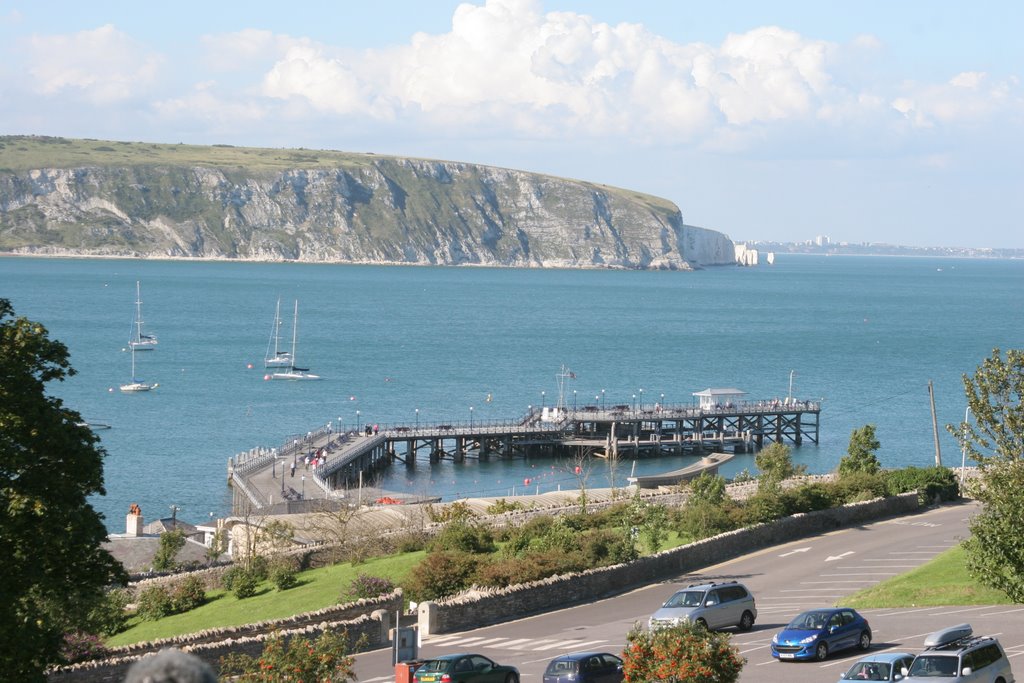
column 786, row 655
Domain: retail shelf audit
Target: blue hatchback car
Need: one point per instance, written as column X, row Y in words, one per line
column 819, row 632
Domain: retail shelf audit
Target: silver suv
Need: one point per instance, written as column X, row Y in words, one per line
column 956, row 655
column 714, row 605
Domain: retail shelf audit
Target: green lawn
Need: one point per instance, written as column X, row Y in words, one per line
column 943, row 581
column 318, row 588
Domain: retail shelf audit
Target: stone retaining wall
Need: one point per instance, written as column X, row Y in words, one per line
column 390, row 603
column 478, row 607
column 373, row 628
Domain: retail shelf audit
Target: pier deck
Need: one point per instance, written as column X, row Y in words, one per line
column 262, row 478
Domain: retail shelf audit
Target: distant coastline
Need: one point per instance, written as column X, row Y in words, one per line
column 827, row 248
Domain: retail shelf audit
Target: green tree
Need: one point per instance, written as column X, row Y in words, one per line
column 995, row 550
column 171, row 543
column 860, row 455
column 687, row 652
column 775, row 464
column 303, row 660
column 55, row 570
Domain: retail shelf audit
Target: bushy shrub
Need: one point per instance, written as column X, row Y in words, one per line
column 230, row 575
column 364, row 587
column 442, row 573
column 764, row 506
column 687, row 652
column 170, row 543
column 514, row 570
column 459, row 511
column 930, row 482
column 244, row 585
column 808, row 497
column 259, row 567
column 411, row 541
column 602, row 547
column 859, row 486
column 302, row 660
column 703, row 520
column 284, row 573
column 188, row 594
column 465, row 537
column 78, row 647
column 154, row 603
column 109, row 616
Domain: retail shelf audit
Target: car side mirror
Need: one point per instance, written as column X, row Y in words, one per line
column 968, row 670
column 710, row 603
column 898, row 677
column 904, row 671
column 833, row 629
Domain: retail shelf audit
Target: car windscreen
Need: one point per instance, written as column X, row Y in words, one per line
column 685, row 599
column 434, row 665
column 937, row 666
column 810, row 621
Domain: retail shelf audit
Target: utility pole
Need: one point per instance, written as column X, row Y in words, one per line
column 935, row 426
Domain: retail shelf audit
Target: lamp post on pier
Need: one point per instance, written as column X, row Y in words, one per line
column 641, row 399
column 574, row 400
column 471, row 417
column 417, row 419
column 602, row 399
column 357, row 422
column 303, row 487
column 542, row 401
column 634, row 402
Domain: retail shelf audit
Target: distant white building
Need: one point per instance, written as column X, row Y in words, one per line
column 822, row 240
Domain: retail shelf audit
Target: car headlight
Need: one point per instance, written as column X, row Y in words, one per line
column 775, row 639
column 809, row 639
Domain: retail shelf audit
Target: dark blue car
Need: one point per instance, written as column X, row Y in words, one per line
column 818, row 632
column 584, row 667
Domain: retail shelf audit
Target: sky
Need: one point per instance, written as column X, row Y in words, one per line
column 869, row 121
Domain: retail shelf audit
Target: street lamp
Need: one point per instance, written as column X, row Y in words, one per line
column 303, row 487
column 663, row 401
column 574, row 400
column 634, row 401
column 641, row 399
column 357, row 422
column 542, row 401
column 471, row 417
column 602, row 399
column 417, row 418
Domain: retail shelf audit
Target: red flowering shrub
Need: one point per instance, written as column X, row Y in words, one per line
column 299, row 660
column 687, row 653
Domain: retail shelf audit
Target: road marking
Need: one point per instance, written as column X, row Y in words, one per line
column 513, row 643
column 529, row 644
column 568, row 645
column 794, row 552
column 832, row 558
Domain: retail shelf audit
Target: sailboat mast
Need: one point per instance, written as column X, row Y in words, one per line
column 295, row 330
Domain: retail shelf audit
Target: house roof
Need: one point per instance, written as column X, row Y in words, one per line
column 724, row 391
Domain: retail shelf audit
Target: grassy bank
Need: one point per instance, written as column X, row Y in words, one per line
column 943, row 581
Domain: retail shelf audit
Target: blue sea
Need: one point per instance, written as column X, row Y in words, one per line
column 863, row 334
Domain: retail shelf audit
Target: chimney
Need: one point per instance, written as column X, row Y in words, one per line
column 133, row 521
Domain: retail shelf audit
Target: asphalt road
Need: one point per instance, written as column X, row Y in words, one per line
column 785, row 580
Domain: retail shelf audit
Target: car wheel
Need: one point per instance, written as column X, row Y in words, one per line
column 703, row 624
column 746, row 621
column 511, row 678
column 865, row 640
column 821, row 652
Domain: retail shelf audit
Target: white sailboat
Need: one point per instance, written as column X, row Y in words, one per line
column 137, row 384
column 138, row 341
column 275, row 357
column 293, row 372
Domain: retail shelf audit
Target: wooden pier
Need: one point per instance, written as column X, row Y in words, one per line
column 263, row 478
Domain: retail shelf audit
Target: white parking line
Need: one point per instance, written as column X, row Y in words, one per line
column 567, row 645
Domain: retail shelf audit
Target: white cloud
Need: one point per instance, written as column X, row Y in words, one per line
column 968, row 98
column 563, row 73
column 104, row 64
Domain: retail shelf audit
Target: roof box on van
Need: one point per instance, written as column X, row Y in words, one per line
column 948, row 635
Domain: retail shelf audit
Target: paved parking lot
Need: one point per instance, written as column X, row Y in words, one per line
column 785, row 580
